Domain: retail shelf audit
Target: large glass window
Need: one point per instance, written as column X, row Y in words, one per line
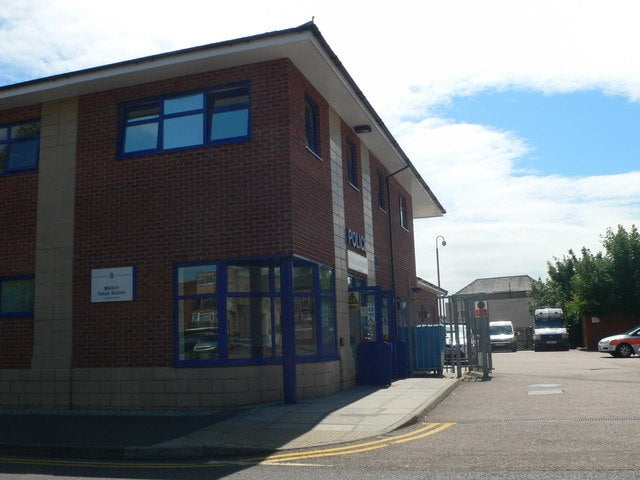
column 16, row 296
column 314, row 310
column 212, row 116
column 253, row 311
column 231, row 312
column 19, row 146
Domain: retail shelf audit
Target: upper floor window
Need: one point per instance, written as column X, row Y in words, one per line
column 404, row 221
column 19, row 146
column 219, row 115
column 382, row 200
column 16, row 296
column 352, row 163
column 311, row 125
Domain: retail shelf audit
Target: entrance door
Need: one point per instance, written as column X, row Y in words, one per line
column 372, row 320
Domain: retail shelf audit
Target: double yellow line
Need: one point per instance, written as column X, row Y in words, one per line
column 427, row 430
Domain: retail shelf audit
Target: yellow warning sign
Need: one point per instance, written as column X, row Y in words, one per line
column 354, row 303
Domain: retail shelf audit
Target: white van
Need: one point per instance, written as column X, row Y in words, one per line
column 502, row 335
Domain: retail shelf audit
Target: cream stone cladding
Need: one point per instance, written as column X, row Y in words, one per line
column 348, row 367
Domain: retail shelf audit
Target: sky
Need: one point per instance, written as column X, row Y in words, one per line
column 523, row 116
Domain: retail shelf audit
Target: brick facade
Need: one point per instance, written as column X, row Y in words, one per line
column 87, row 208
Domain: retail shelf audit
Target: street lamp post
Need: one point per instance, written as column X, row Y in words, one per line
column 444, row 243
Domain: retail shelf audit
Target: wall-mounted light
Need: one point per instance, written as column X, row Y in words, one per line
column 362, row 129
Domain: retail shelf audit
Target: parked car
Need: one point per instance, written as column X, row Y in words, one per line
column 453, row 348
column 502, row 335
column 622, row 345
column 200, row 345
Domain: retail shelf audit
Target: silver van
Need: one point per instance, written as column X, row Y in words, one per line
column 502, row 335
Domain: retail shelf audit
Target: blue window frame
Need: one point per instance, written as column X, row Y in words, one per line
column 352, row 163
column 19, row 146
column 16, row 296
column 311, row 125
column 193, row 119
column 230, row 312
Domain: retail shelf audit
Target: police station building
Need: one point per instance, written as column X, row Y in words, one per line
column 217, row 226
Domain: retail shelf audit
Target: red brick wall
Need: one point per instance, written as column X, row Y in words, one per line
column 18, row 211
column 153, row 211
column 403, row 241
column 311, row 207
column 266, row 196
column 608, row 324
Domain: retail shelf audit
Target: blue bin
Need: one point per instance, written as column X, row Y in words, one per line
column 430, row 343
column 373, row 363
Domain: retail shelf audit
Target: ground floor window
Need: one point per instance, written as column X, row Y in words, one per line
column 16, row 296
column 230, row 312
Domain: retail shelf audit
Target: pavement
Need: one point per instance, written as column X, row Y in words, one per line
column 352, row 415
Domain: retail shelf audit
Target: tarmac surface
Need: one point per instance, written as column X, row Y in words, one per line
column 351, row 415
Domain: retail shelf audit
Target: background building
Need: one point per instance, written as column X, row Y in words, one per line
column 507, row 298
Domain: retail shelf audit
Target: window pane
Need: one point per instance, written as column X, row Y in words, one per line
column 147, row 112
column 242, row 278
column 311, row 126
column 25, row 130
column 183, row 104
column 3, row 134
column 23, row 155
column 231, row 124
column 198, row 330
column 183, row 131
column 305, row 326
column 16, row 296
column 3, row 156
column 326, row 280
column 303, row 279
column 249, row 327
column 228, row 98
column 277, row 322
column 197, row 280
column 328, row 327
column 141, row 137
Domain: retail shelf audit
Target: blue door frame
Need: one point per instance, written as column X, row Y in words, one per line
column 374, row 300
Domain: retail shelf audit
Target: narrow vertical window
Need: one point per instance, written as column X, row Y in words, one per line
column 311, row 125
column 382, row 200
column 404, row 221
column 352, row 163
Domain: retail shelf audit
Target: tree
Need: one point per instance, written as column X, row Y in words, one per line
column 594, row 284
column 623, row 250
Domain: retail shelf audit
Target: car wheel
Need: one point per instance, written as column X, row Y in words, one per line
column 624, row 350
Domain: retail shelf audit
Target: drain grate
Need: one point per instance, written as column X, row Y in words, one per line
column 550, row 391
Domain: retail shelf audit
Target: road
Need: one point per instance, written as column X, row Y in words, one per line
column 570, row 415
